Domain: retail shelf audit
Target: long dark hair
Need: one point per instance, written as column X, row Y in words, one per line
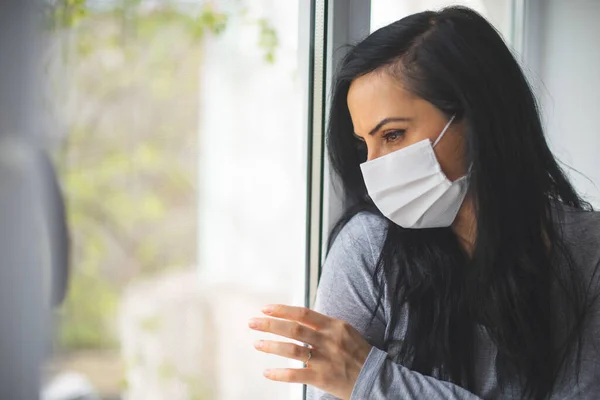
column 515, row 284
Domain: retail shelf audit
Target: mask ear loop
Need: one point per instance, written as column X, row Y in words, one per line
column 444, row 131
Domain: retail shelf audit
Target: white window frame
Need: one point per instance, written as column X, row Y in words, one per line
column 334, row 24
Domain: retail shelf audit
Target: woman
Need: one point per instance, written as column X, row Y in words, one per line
column 466, row 266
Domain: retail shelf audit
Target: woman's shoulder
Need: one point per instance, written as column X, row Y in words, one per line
column 358, row 243
column 365, row 224
column 364, row 232
column 580, row 230
column 579, row 225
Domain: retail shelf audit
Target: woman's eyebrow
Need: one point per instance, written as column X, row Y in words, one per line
column 386, row 121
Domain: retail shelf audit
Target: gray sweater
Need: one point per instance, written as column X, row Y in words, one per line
column 346, row 292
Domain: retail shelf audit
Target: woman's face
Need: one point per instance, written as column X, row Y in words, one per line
column 388, row 118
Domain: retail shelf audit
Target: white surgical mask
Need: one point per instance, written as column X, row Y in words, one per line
column 409, row 187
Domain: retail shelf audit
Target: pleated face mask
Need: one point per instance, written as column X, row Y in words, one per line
column 409, row 187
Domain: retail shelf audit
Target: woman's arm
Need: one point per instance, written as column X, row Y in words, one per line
column 381, row 378
column 347, row 292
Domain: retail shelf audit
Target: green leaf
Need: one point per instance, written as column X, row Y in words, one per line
column 268, row 39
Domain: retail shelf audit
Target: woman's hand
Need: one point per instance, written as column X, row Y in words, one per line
column 337, row 350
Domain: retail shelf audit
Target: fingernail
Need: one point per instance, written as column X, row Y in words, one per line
column 258, row 344
column 268, row 309
column 267, row 373
column 253, row 323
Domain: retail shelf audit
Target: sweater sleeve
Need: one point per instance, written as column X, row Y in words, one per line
column 347, row 292
column 381, row 378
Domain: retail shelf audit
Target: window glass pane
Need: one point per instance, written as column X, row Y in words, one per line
column 498, row 12
column 181, row 150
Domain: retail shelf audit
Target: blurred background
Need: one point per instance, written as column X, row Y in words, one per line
column 174, row 122
column 187, row 140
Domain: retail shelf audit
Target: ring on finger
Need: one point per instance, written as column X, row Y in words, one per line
column 308, row 358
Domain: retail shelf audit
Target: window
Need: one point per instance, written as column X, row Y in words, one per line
column 181, row 150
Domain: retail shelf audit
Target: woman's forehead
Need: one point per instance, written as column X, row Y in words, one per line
column 375, row 96
column 380, row 88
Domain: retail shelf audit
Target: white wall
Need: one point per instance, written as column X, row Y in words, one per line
column 563, row 60
column 384, row 12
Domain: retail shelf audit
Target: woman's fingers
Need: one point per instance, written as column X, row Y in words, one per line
column 286, row 349
column 338, row 350
column 288, row 329
column 303, row 315
column 292, row 375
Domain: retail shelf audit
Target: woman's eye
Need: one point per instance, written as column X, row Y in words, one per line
column 393, row 136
